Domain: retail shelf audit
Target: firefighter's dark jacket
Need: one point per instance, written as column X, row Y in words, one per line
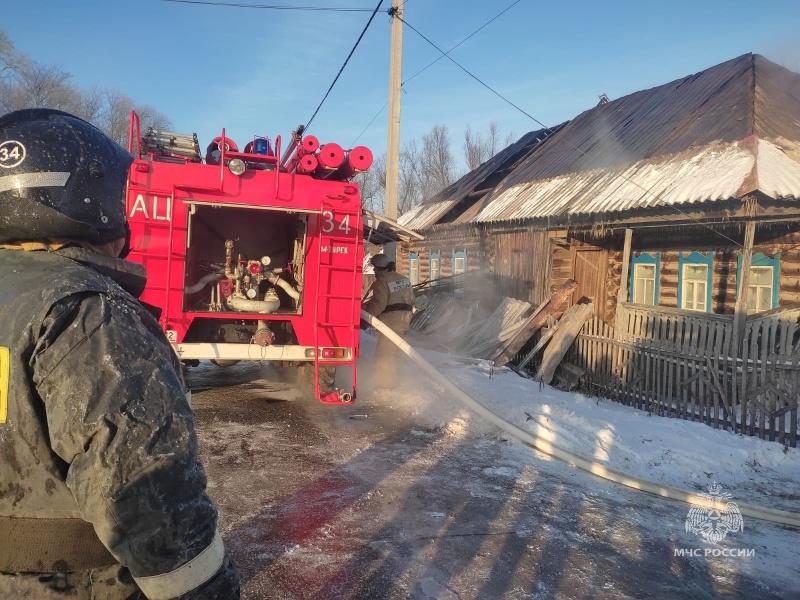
column 97, row 425
column 391, row 292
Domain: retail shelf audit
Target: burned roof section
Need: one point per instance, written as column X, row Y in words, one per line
column 454, row 200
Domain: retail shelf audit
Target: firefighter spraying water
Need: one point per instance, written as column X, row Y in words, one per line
column 252, row 255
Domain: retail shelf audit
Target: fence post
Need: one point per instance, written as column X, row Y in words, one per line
column 622, row 296
column 740, row 314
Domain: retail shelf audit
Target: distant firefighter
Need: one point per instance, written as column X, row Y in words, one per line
column 392, row 302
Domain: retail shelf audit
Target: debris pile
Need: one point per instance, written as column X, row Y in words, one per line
column 459, row 326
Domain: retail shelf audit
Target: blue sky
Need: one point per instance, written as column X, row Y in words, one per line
column 262, row 72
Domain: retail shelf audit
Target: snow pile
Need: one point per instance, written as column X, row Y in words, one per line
column 674, row 452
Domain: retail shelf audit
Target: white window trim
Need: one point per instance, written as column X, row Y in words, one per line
column 752, row 288
column 684, row 282
column 637, row 279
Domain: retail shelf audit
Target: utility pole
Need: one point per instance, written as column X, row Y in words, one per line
column 393, row 137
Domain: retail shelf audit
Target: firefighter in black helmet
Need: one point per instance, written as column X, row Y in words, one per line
column 101, row 492
column 392, row 302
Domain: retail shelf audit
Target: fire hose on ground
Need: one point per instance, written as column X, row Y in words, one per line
column 665, row 491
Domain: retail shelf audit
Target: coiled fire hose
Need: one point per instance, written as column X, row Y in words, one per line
column 665, row 491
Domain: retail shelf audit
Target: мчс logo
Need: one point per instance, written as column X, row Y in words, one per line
column 716, row 518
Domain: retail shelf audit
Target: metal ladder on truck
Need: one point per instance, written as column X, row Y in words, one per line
column 350, row 316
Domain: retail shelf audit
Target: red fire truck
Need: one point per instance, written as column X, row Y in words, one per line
column 252, row 255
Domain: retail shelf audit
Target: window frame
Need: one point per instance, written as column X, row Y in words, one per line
column 695, row 258
column 413, row 268
column 759, row 259
column 459, row 255
column 645, row 258
column 434, row 256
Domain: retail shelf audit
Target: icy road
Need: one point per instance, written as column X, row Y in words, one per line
column 404, row 496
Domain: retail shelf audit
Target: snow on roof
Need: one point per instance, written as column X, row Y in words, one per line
column 778, row 169
column 716, row 172
column 719, row 134
column 426, row 213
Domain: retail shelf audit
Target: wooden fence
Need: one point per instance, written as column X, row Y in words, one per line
column 689, row 365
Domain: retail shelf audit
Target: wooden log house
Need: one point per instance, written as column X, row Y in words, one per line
column 677, row 210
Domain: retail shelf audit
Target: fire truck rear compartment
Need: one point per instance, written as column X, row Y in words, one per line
column 219, row 331
column 244, row 260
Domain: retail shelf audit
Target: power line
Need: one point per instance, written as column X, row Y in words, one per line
column 425, row 68
column 378, row 114
column 623, row 176
column 487, row 86
column 444, row 54
column 335, row 79
column 271, row 6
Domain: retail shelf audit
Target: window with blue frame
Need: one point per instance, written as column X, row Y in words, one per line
column 459, row 262
column 764, row 283
column 645, row 274
column 435, row 266
column 695, row 271
column 413, row 268
column 459, row 267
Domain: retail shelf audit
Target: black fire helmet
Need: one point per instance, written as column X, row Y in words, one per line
column 60, row 177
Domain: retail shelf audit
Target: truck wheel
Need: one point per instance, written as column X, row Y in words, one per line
column 327, row 378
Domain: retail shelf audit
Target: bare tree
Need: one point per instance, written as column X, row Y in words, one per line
column 37, row 86
column 27, row 84
column 409, row 193
column 427, row 168
column 151, row 117
column 373, row 185
column 411, row 177
column 115, row 116
column 473, row 149
column 477, row 149
column 91, row 105
column 11, row 61
column 437, row 161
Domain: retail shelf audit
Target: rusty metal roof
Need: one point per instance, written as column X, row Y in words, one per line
column 474, row 185
column 719, row 134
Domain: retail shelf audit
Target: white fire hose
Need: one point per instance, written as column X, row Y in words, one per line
column 665, row 491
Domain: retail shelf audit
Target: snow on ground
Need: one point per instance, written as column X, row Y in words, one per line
column 683, row 454
column 443, row 503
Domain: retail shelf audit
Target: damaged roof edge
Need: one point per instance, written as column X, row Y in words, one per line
column 380, row 229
